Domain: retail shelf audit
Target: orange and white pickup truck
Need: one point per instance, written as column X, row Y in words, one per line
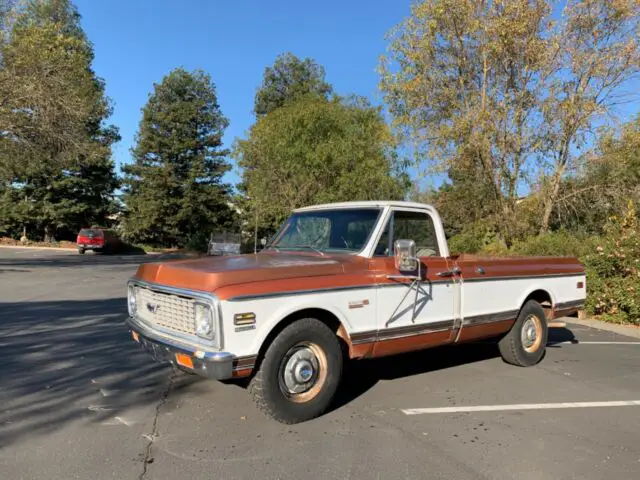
column 339, row 282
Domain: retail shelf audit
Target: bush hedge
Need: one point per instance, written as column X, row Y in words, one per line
column 612, row 261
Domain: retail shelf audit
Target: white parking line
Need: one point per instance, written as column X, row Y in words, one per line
column 569, row 342
column 521, row 406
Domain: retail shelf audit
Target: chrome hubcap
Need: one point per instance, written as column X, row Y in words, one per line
column 299, row 370
column 529, row 332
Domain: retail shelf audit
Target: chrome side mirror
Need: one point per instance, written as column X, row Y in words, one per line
column 405, row 255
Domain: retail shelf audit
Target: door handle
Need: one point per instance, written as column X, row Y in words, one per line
column 480, row 270
column 450, row 273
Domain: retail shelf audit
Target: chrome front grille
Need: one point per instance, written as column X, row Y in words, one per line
column 166, row 310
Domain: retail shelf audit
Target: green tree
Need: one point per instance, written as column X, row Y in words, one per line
column 315, row 151
column 500, row 84
column 608, row 179
column 288, row 80
column 79, row 197
column 174, row 193
column 52, row 121
column 597, row 53
column 48, row 91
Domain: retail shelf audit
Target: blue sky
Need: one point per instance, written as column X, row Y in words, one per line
column 137, row 42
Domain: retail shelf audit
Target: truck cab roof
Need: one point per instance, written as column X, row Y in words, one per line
column 367, row 204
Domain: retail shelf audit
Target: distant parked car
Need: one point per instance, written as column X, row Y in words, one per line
column 98, row 240
column 224, row 244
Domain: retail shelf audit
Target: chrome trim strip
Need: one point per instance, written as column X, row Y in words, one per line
column 156, row 336
column 173, row 290
column 569, row 305
column 257, row 296
column 441, row 326
column 183, row 292
column 360, row 341
column 490, row 318
column 413, row 334
column 521, row 277
column 400, row 332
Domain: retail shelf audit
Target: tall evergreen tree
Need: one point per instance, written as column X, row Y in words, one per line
column 52, row 122
column 288, row 80
column 174, row 193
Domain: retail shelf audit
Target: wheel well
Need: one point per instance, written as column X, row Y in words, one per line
column 324, row 316
column 544, row 299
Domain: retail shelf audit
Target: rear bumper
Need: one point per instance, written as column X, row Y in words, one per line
column 214, row 365
column 90, row 247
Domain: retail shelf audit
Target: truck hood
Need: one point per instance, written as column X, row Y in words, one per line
column 210, row 273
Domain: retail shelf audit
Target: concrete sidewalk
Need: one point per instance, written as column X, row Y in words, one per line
column 628, row 330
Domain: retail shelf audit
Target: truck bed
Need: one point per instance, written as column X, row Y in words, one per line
column 521, row 266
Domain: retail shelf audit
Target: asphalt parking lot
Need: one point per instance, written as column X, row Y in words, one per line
column 78, row 399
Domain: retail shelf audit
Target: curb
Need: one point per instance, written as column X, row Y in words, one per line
column 628, row 330
column 72, row 249
column 58, row 249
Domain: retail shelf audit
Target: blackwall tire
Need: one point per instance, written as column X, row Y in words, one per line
column 526, row 342
column 300, row 372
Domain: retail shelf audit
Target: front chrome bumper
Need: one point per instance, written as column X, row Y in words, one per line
column 210, row 364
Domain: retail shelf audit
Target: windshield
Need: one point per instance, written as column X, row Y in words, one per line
column 344, row 230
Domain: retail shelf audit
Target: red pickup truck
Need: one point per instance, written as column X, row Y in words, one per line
column 339, row 282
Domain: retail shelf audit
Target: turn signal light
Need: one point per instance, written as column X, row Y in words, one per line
column 184, row 360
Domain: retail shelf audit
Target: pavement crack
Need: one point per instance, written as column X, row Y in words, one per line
column 148, row 460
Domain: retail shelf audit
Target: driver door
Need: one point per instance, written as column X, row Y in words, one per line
column 413, row 313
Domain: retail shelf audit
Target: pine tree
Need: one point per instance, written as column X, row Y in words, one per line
column 290, row 79
column 174, row 194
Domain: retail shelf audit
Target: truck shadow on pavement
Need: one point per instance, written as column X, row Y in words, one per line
column 360, row 376
column 66, row 361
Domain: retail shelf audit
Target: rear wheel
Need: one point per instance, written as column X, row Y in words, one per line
column 81, row 251
column 526, row 342
column 300, row 372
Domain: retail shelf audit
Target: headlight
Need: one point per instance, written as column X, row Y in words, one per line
column 204, row 321
column 131, row 300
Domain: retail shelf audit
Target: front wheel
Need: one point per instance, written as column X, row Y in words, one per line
column 81, row 251
column 299, row 373
column 526, row 342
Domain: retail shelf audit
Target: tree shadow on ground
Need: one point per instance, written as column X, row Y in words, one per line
column 64, row 361
column 87, row 260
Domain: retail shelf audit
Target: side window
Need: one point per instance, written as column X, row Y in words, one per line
column 416, row 226
column 419, row 227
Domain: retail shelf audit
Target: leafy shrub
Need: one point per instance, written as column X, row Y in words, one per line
column 612, row 261
column 560, row 243
column 613, row 270
column 474, row 238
